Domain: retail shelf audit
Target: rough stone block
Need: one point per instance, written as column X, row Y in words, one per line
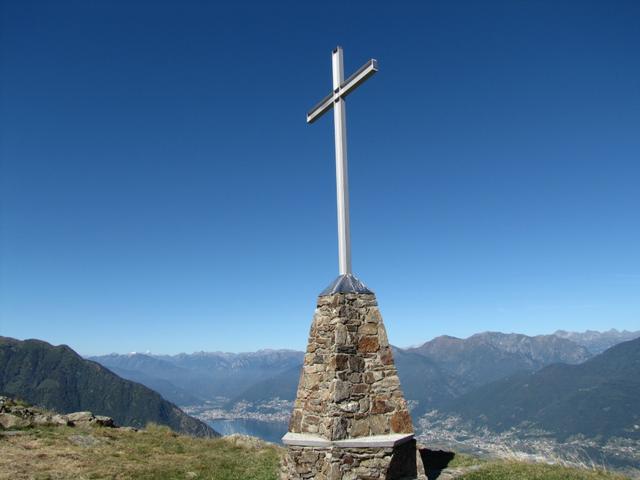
column 349, row 389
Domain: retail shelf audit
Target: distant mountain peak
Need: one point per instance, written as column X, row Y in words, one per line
column 597, row 342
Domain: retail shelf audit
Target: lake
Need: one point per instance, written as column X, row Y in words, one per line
column 269, row 431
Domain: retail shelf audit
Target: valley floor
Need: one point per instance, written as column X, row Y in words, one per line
column 529, row 446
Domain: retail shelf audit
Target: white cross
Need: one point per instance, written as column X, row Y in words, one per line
column 335, row 100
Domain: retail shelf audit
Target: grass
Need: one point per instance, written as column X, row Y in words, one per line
column 155, row 453
column 535, row 471
column 464, row 460
column 91, row 453
column 469, row 467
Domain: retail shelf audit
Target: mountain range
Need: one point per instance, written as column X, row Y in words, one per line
column 190, row 379
column 455, row 365
column 57, row 378
column 548, row 391
column 598, row 398
column 433, row 374
column 491, row 379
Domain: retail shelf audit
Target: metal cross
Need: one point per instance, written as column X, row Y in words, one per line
column 335, row 100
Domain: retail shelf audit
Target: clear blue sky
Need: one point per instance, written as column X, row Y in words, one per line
column 160, row 189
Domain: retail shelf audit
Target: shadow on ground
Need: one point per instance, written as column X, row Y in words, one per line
column 434, row 461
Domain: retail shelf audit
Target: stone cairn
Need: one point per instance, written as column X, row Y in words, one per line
column 350, row 420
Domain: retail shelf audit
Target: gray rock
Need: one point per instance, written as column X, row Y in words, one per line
column 42, row 419
column 9, row 421
column 62, row 420
column 103, row 421
column 79, row 417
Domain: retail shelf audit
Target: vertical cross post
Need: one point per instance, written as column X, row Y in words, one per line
column 342, row 167
column 336, row 100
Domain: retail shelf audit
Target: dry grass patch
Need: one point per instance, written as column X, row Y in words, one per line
column 155, row 453
column 535, row 471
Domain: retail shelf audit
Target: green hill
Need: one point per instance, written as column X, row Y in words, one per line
column 57, row 378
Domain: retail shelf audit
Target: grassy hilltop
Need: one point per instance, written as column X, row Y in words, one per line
column 90, row 452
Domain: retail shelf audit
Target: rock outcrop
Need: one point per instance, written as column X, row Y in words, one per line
column 16, row 415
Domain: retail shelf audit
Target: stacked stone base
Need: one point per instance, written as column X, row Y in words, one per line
column 340, row 463
column 350, row 420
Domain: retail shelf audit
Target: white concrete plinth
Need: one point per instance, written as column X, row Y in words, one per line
column 374, row 441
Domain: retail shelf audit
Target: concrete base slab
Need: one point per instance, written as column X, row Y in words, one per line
column 374, row 441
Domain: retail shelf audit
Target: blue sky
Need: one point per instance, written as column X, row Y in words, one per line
column 160, row 189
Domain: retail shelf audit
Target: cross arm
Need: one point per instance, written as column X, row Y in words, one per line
column 322, row 107
column 358, row 78
column 348, row 86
